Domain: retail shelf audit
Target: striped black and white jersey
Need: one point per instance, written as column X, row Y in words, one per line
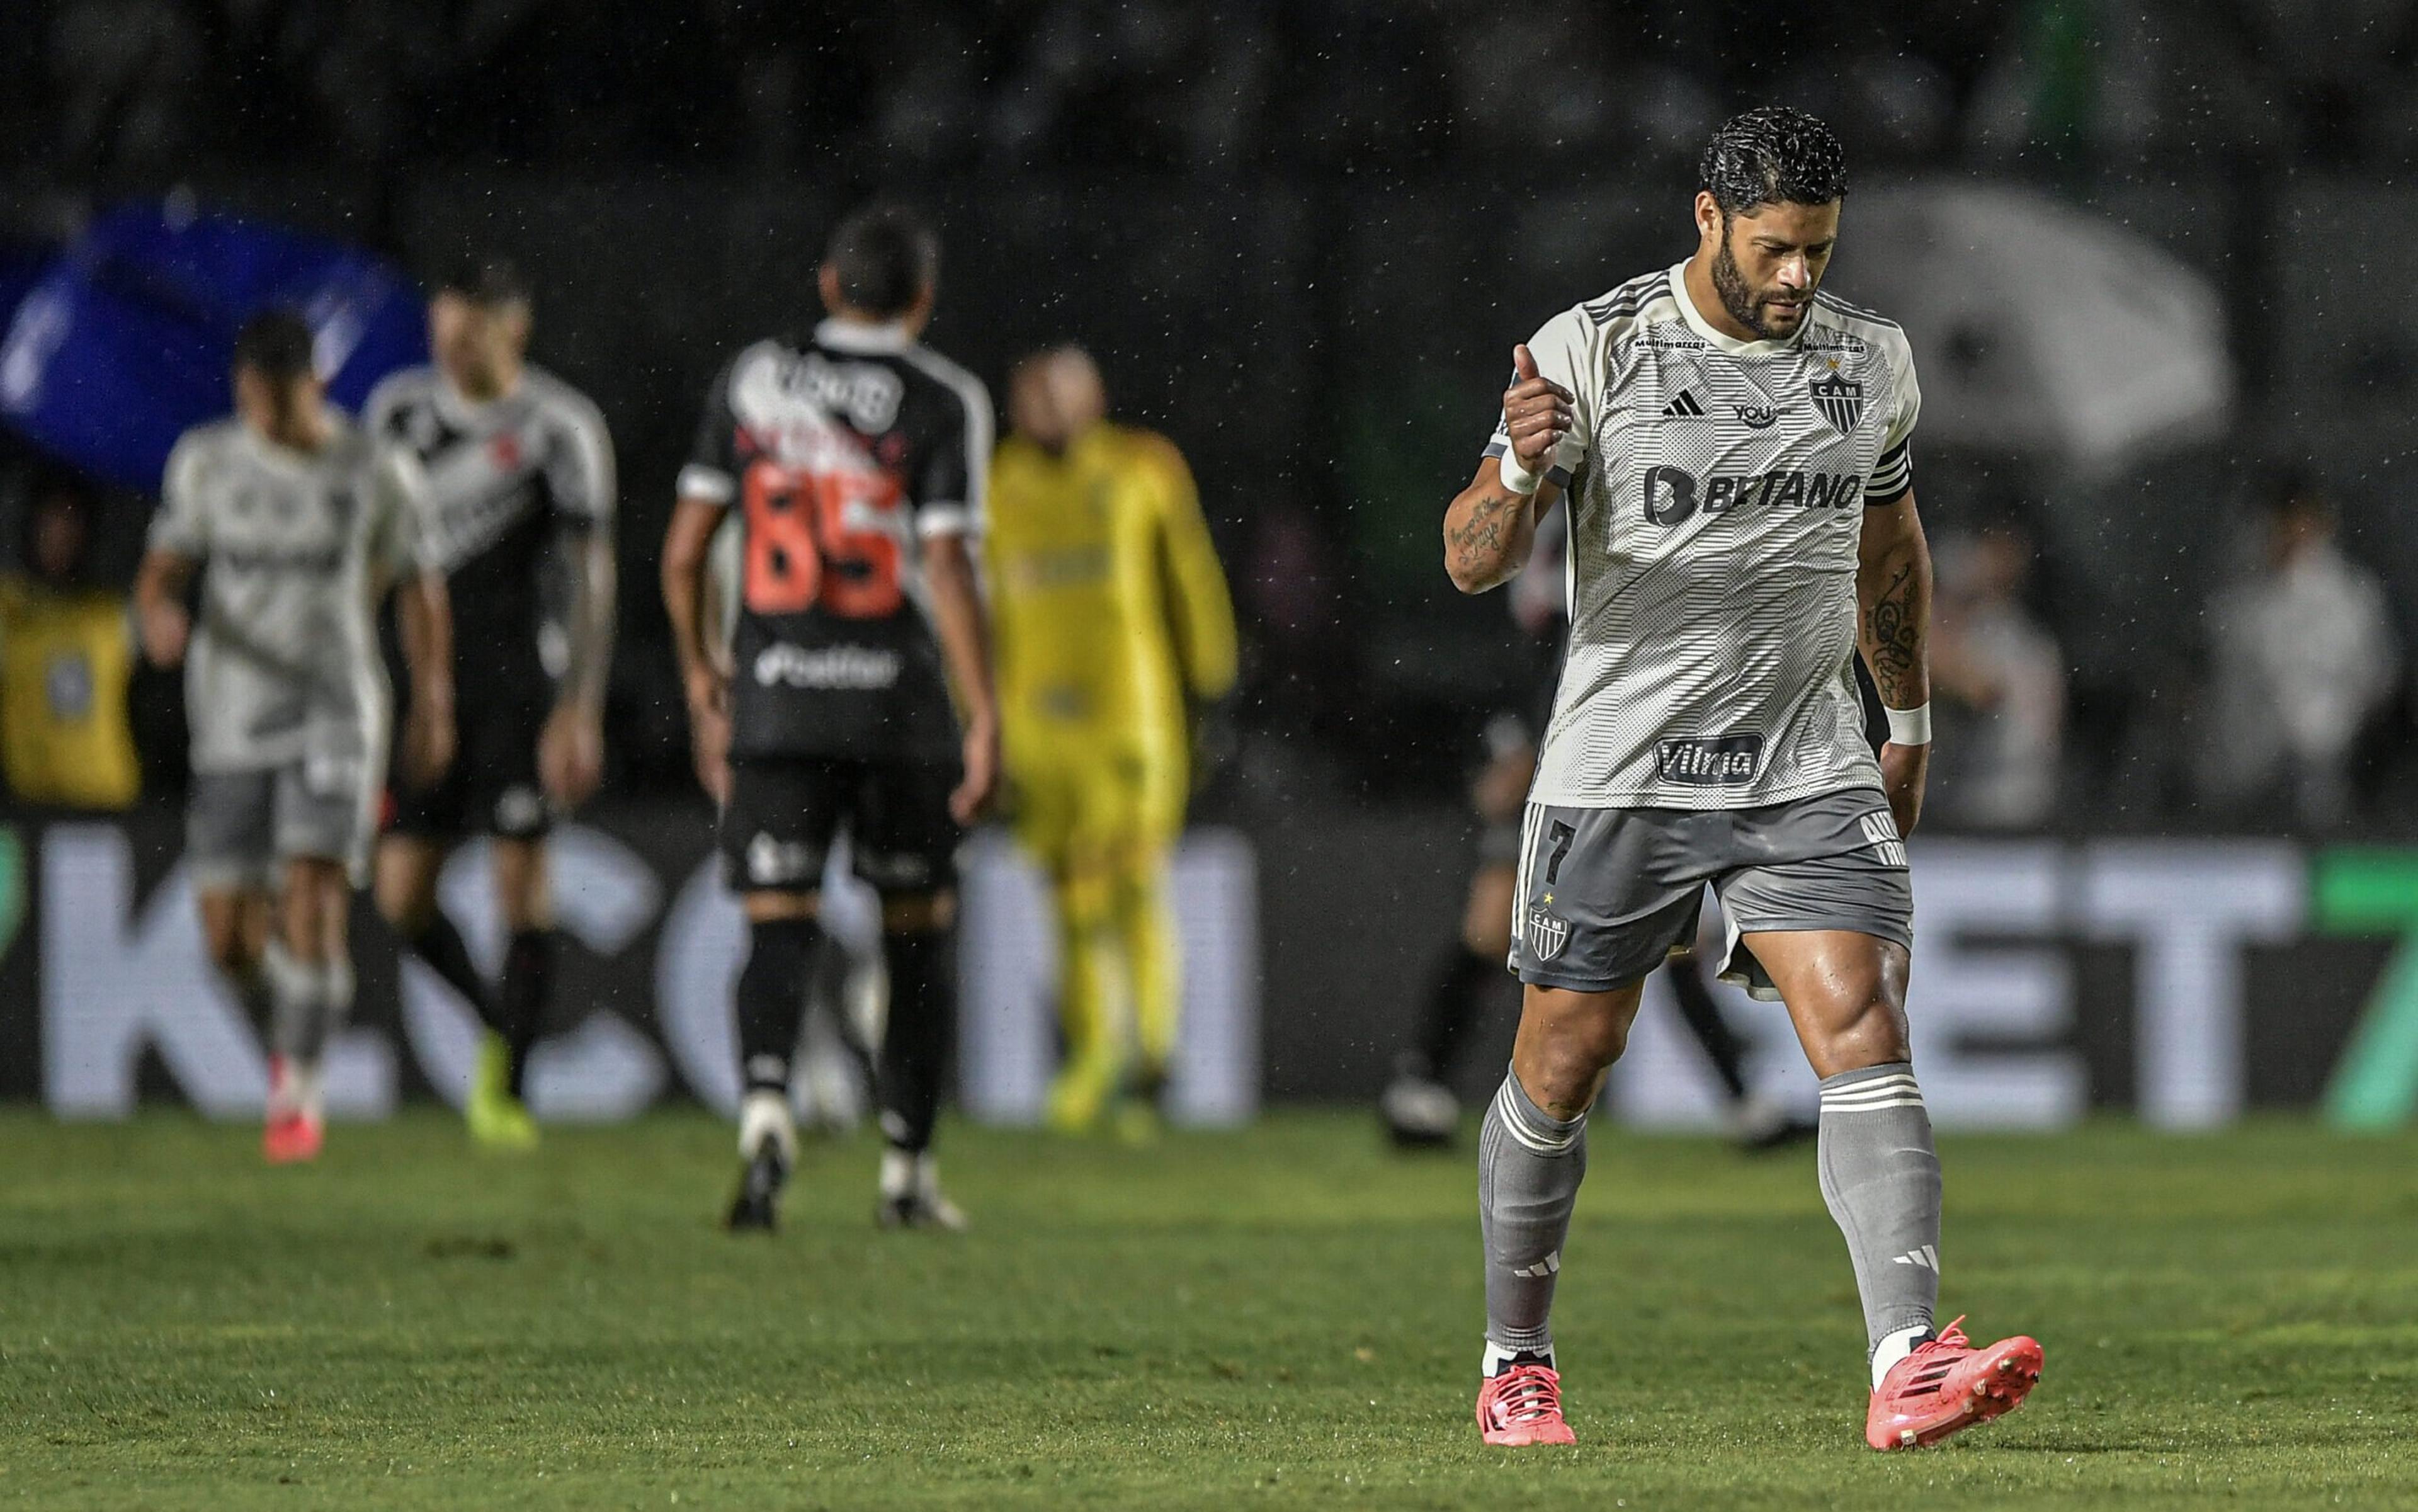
column 1717, row 491
column 506, row 477
column 841, row 455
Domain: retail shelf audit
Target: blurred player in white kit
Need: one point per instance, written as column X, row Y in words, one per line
column 304, row 524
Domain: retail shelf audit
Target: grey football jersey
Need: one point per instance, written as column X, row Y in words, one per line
column 1716, row 491
column 283, row 664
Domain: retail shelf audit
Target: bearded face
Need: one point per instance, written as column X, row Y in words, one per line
column 1768, row 263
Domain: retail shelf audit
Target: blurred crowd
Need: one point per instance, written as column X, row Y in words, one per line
column 2296, row 710
column 130, row 85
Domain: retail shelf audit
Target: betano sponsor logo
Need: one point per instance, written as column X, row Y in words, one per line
column 846, row 668
column 1672, row 495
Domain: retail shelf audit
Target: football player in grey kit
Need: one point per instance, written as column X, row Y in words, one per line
column 1735, row 447
column 304, row 522
column 521, row 483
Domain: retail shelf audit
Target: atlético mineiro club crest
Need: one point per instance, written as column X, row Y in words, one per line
column 1547, row 934
column 1840, row 400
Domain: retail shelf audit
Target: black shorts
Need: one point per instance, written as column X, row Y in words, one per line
column 491, row 788
column 785, row 812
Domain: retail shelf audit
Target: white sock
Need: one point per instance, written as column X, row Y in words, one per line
column 903, row 1173
column 303, row 1090
column 1895, row 1347
column 763, row 1113
column 1496, row 1357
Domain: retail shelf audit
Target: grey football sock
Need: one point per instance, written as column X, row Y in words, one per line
column 1529, row 1167
column 1881, row 1177
column 336, row 998
column 298, row 1016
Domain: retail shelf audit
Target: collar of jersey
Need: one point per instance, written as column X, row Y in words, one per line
column 461, row 409
column 1678, row 277
column 284, row 458
column 855, row 336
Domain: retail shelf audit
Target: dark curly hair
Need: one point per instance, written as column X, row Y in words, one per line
column 1773, row 155
column 275, row 343
column 886, row 255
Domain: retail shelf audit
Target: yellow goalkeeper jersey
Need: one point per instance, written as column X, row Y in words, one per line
column 1108, row 606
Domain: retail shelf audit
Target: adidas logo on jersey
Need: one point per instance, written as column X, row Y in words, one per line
column 1687, row 407
column 1925, row 1259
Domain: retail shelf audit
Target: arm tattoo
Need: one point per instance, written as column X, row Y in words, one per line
column 1893, row 637
column 1479, row 540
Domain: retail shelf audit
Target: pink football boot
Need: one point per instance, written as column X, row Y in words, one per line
column 1947, row 1385
column 295, row 1130
column 1523, row 1405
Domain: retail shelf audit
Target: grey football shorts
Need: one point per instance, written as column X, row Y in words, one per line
column 239, row 824
column 1606, row 895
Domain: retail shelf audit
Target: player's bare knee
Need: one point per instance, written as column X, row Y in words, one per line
column 1565, row 1044
column 1863, row 1026
column 1563, row 1074
column 313, row 908
column 230, row 945
column 405, row 887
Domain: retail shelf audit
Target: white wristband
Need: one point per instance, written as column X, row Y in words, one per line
column 1909, row 727
column 1517, row 477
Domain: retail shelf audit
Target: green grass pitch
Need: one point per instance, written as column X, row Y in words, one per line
column 1282, row 1318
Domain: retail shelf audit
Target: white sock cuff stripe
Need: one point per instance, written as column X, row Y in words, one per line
column 1894, row 1090
column 1890, row 1079
column 1515, row 1121
column 1872, row 1096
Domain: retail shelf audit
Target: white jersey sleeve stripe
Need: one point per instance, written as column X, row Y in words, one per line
column 592, row 487
column 966, row 516
column 712, row 485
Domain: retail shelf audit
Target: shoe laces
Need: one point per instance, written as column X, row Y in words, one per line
column 1950, row 1337
column 1527, row 1394
column 1933, row 1360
